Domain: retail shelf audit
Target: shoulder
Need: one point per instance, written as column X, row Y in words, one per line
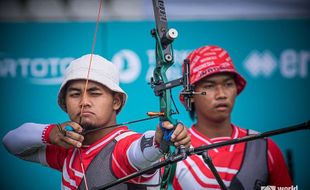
column 273, row 148
column 240, row 132
column 278, row 170
column 125, row 138
column 274, row 152
column 275, row 157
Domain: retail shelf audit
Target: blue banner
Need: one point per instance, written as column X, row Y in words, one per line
column 273, row 55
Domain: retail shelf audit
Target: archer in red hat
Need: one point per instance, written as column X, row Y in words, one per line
column 241, row 166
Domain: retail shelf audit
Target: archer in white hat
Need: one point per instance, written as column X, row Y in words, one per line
column 87, row 152
column 101, row 71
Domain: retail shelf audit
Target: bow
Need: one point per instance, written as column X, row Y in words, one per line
column 159, row 82
column 164, row 38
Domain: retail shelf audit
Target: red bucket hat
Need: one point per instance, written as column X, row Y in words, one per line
column 209, row 60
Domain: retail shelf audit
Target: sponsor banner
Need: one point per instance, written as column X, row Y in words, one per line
column 289, row 64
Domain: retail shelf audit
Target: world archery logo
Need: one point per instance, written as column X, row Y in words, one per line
column 268, row 187
column 272, row 187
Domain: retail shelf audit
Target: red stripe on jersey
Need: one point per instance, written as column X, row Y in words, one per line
column 225, row 172
column 67, row 184
column 176, row 184
column 197, row 178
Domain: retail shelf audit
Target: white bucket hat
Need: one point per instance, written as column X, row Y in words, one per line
column 102, row 71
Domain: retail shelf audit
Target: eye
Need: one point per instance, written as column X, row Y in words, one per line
column 230, row 84
column 96, row 93
column 74, row 94
column 208, row 86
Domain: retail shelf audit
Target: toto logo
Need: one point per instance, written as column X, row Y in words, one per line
column 42, row 71
column 49, row 71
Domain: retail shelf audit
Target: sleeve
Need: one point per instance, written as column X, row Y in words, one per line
column 278, row 171
column 135, row 152
column 29, row 142
column 26, row 142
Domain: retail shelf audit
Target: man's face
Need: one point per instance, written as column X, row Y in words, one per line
column 99, row 104
column 217, row 104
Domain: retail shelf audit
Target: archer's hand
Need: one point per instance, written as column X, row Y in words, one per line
column 179, row 136
column 67, row 139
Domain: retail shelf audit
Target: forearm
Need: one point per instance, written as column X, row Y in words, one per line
column 26, row 142
column 143, row 152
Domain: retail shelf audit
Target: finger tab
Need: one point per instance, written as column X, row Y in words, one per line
column 69, row 128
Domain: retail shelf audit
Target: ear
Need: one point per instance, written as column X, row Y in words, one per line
column 117, row 101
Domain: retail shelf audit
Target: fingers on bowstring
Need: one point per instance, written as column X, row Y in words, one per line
column 74, row 126
column 72, row 142
column 70, row 135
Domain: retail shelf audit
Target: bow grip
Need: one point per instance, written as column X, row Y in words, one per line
column 167, row 133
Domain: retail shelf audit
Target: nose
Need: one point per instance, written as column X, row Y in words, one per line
column 84, row 101
column 220, row 92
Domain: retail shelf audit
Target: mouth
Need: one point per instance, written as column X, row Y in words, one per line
column 85, row 113
column 222, row 106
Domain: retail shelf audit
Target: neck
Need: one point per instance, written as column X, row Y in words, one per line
column 212, row 128
column 92, row 137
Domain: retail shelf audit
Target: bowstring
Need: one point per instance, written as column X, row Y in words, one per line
column 85, row 88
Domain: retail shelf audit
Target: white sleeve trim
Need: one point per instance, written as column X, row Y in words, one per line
column 125, row 134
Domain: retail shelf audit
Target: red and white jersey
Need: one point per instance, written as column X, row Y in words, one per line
column 193, row 173
column 69, row 161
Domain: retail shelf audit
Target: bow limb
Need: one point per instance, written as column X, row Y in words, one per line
column 164, row 59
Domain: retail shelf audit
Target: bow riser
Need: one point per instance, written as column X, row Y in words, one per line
column 164, row 59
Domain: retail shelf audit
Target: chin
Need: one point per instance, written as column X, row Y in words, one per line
column 88, row 126
column 221, row 117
